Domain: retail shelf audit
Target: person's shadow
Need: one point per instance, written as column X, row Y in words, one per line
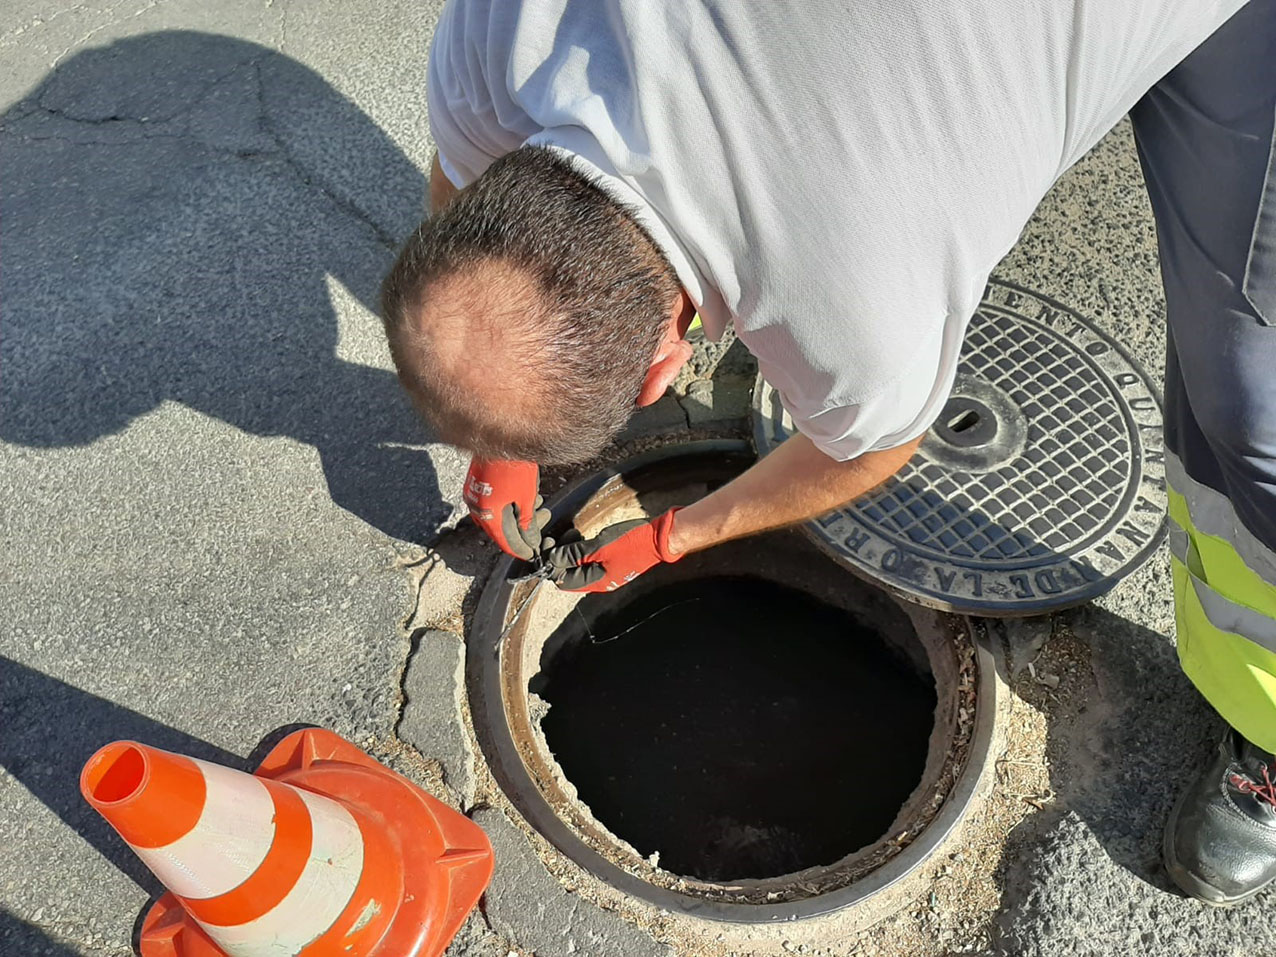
column 179, row 211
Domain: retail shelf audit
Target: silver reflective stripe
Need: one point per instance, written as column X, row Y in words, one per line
column 1180, row 544
column 1212, row 514
column 1228, row 616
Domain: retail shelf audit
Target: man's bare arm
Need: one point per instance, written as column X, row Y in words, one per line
column 795, row 483
column 442, row 191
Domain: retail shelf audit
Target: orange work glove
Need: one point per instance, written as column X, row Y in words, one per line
column 503, row 502
column 614, row 557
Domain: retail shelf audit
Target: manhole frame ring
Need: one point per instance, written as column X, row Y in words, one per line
column 498, row 746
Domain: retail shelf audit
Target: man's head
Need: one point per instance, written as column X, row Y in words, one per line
column 530, row 316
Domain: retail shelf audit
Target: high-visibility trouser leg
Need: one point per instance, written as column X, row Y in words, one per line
column 1206, row 140
column 1225, row 609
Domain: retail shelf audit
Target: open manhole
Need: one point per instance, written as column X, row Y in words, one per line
column 708, row 722
column 749, row 735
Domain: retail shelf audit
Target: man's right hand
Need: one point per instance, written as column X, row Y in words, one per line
column 503, row 502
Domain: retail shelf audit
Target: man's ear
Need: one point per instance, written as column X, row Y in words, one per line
column 672, row 353
column 663, row 370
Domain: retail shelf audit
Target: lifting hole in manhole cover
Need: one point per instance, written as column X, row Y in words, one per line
column 790, row 740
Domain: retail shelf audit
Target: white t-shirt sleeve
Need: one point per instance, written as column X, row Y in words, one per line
column 472, row 122
column 894, row 413
column 882, row 422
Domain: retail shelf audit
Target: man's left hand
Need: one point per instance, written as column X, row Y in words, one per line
column 614, row 557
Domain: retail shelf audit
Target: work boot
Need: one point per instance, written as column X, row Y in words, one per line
column 1220, row 841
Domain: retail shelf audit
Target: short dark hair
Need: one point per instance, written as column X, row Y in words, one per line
column 603, row 292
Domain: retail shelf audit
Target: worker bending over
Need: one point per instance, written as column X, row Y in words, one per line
column 836, row 182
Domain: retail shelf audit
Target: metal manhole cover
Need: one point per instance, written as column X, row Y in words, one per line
column 1039, row 486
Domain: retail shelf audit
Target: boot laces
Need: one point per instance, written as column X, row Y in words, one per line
column 1264, row 791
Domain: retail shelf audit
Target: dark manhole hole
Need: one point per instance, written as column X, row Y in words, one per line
column 1039, row 486
column 736, row 727
column 749, row 735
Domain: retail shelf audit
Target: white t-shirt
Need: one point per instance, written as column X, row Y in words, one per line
column 837, row 178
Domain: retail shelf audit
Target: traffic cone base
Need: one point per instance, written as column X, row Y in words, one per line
column 436, row 864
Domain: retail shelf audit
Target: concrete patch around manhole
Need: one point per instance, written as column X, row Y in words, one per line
column 433, row 689
column 1040, row 485
column 846, row 897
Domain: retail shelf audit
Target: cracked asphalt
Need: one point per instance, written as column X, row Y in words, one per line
column 207, row 469
column 210, row 481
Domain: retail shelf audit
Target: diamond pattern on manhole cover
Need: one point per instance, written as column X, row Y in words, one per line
column 1040, row 485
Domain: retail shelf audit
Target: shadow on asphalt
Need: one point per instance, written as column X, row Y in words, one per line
column 19, row 937
column 51, row 728
column 1117, row 763
column 175, row 204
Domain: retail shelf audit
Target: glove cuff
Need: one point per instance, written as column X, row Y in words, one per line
column 506, row 471
column 664, row 526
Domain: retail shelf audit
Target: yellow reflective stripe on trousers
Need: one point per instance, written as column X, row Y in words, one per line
column 1234, row 561
column 1235, row 674
column 1225, row 607
column 1216, row 561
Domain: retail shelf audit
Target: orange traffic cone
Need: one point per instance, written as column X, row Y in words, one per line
column 322, row 851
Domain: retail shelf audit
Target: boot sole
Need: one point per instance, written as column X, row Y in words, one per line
column 1188, row 882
